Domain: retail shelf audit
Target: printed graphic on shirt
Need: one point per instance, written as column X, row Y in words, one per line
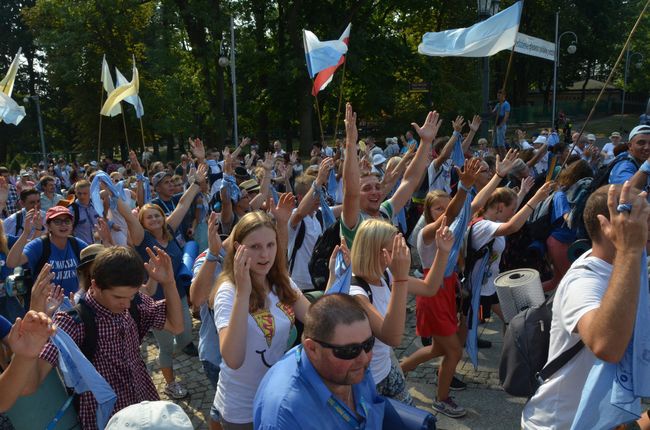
column 288, row 311
column 266, row 323
column 64, row 269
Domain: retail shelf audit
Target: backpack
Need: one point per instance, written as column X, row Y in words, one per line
column 47, row 250
column 602, row 175
column 577, row 196
column 539, row 224
column 473, row 256
column 523, row 367
column 19, row 222
column 320, row 257
column 360, row 282
column 300, row 238
column 84, row 314
column 75, row 210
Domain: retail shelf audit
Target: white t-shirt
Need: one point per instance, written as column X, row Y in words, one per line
column 300, row 274
column 608, row 149
column 268, row 332
column 542, row 165
column 380, row 363
column 440, row 179
column 483, row 232
column 525, row 145
column 581, row 290
column 427, row 252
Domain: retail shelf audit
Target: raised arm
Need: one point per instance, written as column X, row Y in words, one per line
column 204, row 280
column 431, row 284
column 538, row 155
column 415, row 170
column 446, row 151
column 351, row 174
column 176, row 217
column 159, row 267
column 16, row 256
column 473, row 128
column 265, row 187
column 518, row 220
column 501, row 171
column 136, row 231
column 282, row 213
column 304, row 208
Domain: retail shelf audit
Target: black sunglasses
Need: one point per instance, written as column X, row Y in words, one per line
column 348, row 352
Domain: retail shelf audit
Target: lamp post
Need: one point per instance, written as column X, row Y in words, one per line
column 486, row 8
column 556, row 64
column 40, row 124
column 628, row 58
column 224, row 62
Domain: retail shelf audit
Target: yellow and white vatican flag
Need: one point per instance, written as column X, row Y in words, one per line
column 107, row 83
column 7, row 84
column 120, row 93
column 10, row 111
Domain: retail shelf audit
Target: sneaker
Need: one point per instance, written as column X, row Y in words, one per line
column 449, row 407
column 176, row 391
column 484, row 344
column 456, row 384
column 190, row 349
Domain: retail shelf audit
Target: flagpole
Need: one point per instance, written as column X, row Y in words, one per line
column 338, row 111
column 320, row 122
column 126, row 135
column 101, row 103
column 142, row 134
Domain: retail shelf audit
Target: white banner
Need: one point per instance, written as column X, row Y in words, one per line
column 534, row 46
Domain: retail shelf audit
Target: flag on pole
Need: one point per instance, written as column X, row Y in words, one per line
column 483, row 39
column 120, row 93
column 133, row 100
column 322, row 55
column 10, row 111
column 107, row 83
column 324, row 77
column 7, row 84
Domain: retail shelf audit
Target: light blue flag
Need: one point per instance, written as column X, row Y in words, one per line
column 458, row 228
column 274, row 193
column 615, row 390
column 146, row 187
column 332, row 185
column 132, row 100
column 328, row 215
column 230, row 184
column 457, row 155
column 471, row 344
column 483, row 39
column 81, row 375
column 116, row 189
column 343, row 276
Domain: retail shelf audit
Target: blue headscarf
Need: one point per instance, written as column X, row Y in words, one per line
column 115, row 189
column 230, row 184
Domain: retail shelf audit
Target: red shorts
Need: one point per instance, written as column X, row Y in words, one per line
column 437, row 315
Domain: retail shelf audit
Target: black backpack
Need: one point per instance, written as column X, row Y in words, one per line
column 602, row 175
column 75, row 210
column 473, row 256
column 300, row 238
column 539, row 225
column 360, row 282
column 84, row 314
column 320, row 258
column 523, row 367
column 47, row 250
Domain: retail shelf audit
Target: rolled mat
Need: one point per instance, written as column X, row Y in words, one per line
column 518, row 290
column 398, row 415
column 190, row 252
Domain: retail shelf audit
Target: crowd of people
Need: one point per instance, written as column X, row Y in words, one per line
column 100, row 251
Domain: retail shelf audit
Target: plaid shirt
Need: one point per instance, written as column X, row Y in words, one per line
column 117, row 357
column 12, row 202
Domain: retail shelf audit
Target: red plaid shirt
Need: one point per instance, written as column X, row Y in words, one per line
column 117, row 357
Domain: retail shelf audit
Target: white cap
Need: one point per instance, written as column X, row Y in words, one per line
column 591, row 137
column 159, row 415
column 540, row 139
column 378, row 159
column 639, row 129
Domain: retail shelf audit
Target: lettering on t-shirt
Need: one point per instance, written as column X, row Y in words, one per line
column 64, row 269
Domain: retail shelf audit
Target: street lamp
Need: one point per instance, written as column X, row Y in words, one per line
column 40, row 124
column 571, row 49
column 486, row 8
column 628, row 58
column 224, row 62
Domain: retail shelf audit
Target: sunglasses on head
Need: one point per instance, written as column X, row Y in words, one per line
column 351, row 351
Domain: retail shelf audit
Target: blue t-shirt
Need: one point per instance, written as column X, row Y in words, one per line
column 623, row 170
column 208, row 335
column 5, row 327
column 64, row 262
column 502, row 108
column 175, row 253
column 561, row 230
column 4, row 270
column 293, row 395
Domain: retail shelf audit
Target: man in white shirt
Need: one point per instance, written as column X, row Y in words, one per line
column 608, row 150
column 595, row 303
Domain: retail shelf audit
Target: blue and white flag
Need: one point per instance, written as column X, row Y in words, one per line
column 117, row 190
column 483, row 39
column 458, row 228
column 457, row 155
column 321, row 55
column 615, row 390
column 343, row 275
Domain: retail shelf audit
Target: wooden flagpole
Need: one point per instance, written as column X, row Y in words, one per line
column 101, row 118
column 142, row 134
column 338, row 111
column 126, row 135
column 320, row 122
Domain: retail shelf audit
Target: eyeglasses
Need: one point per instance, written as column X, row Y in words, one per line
column 348, row 352
column 60, row 222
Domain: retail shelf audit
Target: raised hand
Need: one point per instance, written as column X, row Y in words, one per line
column 159, row 266
column 628, row 231
column 54, row 300
column 245, row 142
column 196, row 146
column 41, row 289
column 470, row 172
column 4, row 190
column 30, row 220
column 343, row 247
column 458, row 124
column 351, row 132
column 504, row 166
column 214, row 240
column 282, row 212
column 542, row 193
column 293, row 158
column 324, row 171
column 268, row 161
column 399, row 258
column 201, row 173
column 444, row 237
column 228, row 168
column 135, row 165
column 475, row 124
column 242, row 261
column 430, row 128
column 526, row 185
column 104, row 231
column 29, row 334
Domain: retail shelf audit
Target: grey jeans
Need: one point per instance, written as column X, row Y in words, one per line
column 168, row 343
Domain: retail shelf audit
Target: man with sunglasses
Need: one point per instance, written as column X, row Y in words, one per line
column 324, row 382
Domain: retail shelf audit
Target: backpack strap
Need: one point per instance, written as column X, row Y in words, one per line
column 319, row 217
column 19, row 222
column 135, row 312
column 297, row 244
column 84, row 314
column 75, row 209
column 360, row 282
column 45, row 255
column 75, row 247
column 555, row 365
